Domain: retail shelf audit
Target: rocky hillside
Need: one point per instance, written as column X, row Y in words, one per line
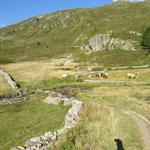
column 116, row 27
column 101, row 42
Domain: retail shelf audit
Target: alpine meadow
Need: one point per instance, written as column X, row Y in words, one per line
column 77, row 79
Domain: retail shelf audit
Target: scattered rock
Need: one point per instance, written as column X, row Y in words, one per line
column 135, row 33
column 64, row 76
column 21, row 148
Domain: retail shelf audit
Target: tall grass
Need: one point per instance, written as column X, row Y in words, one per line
column 98, row 128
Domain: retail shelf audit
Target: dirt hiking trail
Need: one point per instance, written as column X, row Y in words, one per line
column 144, row 127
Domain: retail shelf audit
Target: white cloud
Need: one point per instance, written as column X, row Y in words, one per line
column 129, row 0
column 2, row 25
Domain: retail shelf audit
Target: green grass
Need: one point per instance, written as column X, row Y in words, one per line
column 114, row 58
column 7, row 91
column 102, row 118
column 56, row 82
column 4, row 87
column 20, row 122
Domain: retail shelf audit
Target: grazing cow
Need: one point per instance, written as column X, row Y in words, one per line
column 132, row 76
column 79, row 78
column 76, row 67
column 90, row 69
column 98, row 74
column 102, row 74
column 64, row 76
column 89, row 76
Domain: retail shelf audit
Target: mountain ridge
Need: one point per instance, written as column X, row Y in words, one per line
column 52, row 35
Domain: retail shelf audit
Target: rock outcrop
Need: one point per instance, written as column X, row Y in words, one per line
column 101, row 42
column 46, row 141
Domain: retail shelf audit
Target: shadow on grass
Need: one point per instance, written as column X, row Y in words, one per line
column 119, row 144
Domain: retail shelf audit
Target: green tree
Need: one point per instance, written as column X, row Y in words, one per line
column 146, row 39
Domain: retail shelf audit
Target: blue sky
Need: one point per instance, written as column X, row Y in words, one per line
column 12, row 11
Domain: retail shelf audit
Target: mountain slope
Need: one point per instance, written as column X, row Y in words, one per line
column 53, row 35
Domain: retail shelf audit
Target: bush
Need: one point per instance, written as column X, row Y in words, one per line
column 97, row 68
column 5, row 61
column 38, row 43
column 61, row 102
column 146, row 39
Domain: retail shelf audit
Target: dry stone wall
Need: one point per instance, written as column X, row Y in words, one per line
column 9, row 79
column 46, row 141
column 13, row 98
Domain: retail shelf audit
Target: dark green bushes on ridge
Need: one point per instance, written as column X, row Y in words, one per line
column 146, row 39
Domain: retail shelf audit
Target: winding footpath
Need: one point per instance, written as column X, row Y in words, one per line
column 144, row 127
column 117, row 82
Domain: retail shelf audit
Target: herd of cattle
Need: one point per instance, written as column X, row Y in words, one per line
column 104, row 75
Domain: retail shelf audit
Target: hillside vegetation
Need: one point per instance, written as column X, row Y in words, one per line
column 146, row 39
column 64, row 32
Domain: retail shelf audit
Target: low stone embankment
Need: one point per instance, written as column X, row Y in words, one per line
column 13, row 98
column 47, row 140
column 9, row 79
column 18, row 97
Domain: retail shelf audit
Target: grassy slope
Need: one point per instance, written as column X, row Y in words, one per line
column 19, row 122
column 54, row 34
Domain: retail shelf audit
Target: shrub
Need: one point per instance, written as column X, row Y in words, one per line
column 61, row 102
column 38, row 43
column 146, row 39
